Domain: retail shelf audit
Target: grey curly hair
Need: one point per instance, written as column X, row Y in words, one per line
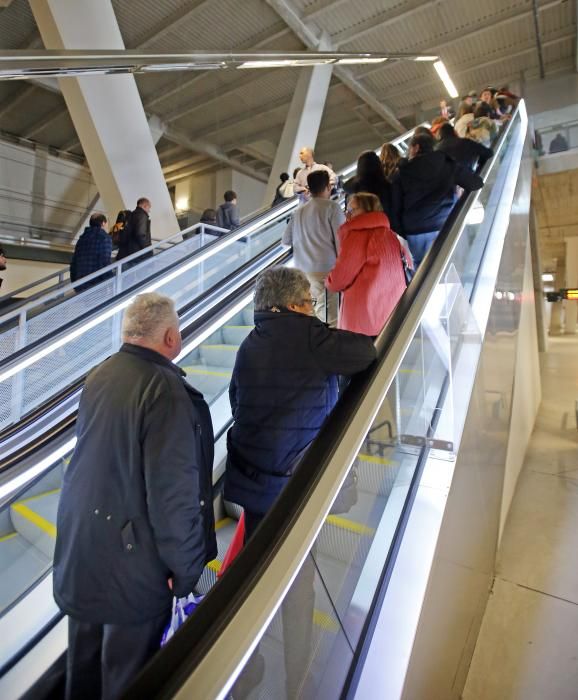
column 281, row 286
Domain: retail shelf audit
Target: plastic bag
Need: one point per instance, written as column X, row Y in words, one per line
column 182, row 609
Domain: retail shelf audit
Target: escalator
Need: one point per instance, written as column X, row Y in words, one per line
column 330, row 562
column 44, row 354
column 297, row 613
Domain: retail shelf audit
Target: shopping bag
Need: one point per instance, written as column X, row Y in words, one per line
column 182, row 609
column 235, row 546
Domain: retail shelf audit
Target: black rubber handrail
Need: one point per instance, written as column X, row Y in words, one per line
column 173, row 664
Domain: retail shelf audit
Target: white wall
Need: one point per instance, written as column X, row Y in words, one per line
column 19, row 273
column 206, row 191
column 41, row 190
column 552, row 93
column 250, row 191
column 527, row 392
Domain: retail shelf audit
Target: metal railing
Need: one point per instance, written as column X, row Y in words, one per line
column 61, row 278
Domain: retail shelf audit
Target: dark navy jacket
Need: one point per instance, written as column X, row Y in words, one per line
column 466, row 152
column 424, row 192
column 283, row 387
column 92, row 252
column 136, row 506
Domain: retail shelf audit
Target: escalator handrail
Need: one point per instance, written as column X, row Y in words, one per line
column 238, row 609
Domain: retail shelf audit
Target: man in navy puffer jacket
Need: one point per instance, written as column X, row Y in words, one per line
column 284, row 385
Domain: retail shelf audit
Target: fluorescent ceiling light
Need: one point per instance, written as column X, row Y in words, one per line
column 426, row 58
column 354, row 61
column 547, row 277
column 445, row 78
column 286, row 63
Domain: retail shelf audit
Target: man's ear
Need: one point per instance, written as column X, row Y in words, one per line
column 170, row 337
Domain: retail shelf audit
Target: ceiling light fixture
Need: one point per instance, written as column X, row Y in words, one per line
column 442, row 71
column 354, row 61
column 286, row 63
column 426, row 58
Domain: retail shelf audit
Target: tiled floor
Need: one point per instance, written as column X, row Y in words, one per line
column 528, row 643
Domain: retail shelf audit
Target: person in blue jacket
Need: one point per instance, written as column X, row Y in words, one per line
column 284, row 385
column 92, row 252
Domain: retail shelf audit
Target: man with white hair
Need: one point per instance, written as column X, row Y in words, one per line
column 307, row 157
column 135, row 520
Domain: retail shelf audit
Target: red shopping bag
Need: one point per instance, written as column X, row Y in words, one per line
column 235, row 546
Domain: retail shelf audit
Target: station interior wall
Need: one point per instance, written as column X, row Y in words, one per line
column 203, row 191
column 39, row 190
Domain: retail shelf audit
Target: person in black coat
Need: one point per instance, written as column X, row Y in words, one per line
column 424, row 194
column 135, row 521
column 466, row 152
column 371, row 178
column 136, row 235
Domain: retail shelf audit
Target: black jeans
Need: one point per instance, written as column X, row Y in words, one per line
column 102, row 660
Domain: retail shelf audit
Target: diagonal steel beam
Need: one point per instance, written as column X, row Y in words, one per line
column 288, row 13
column 211, row 150
column 43, row 123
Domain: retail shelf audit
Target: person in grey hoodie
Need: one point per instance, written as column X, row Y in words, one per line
column 228, row 212
column 312, row 231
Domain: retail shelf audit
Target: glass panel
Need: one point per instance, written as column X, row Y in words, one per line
column 304, row 652
column 56, row 370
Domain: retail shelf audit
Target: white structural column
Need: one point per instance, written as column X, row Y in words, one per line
column 302, row 123
column 107, row 112
column 572, row 282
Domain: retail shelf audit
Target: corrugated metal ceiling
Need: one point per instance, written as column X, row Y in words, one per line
column 487, row 42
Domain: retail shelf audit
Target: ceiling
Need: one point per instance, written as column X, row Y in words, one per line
column 222, row 117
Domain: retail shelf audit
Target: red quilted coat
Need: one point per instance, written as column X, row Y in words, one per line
column 368, row 272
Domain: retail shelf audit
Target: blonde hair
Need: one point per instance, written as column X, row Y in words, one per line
column 148, row 316
column 389, row 158
column 367, row 202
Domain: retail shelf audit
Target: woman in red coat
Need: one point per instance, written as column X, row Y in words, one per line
column 369, row 269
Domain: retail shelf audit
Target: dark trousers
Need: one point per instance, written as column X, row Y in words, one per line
column 297, row 619
column 103, row 659
column 419, row 244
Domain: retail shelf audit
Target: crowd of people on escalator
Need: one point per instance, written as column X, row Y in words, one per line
column 135, row 525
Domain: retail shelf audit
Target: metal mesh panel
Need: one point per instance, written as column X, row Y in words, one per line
column 55, row 371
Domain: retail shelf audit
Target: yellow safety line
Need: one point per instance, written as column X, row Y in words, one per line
column 375, row 460
column 222, row 523
column 35, row 519
column 410, row 371
column 222, row 346
column 5, row 538
column 325, row 621
column 215, row 565
column 350, row 525
column 208, row 373
column 40, row 495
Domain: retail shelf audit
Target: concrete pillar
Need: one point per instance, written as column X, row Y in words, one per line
column 107, row 112
column 302, row 123
column 572, row 282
